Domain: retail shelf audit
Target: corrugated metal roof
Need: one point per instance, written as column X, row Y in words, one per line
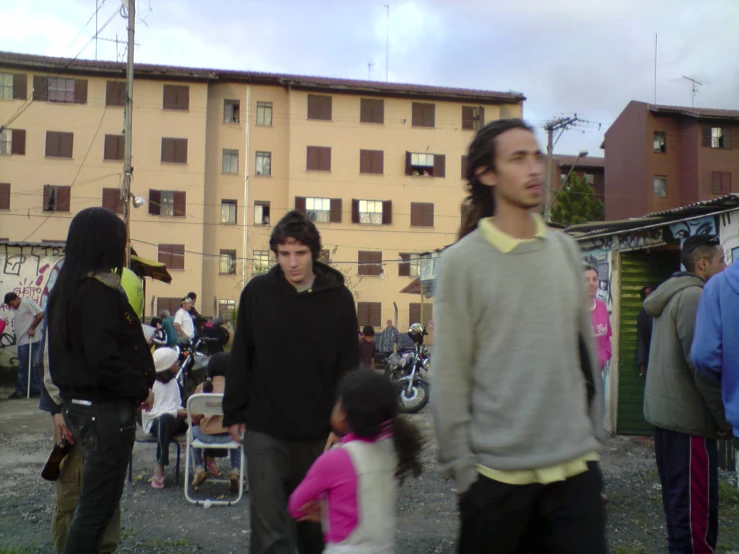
column 118, row 69
column 701, row 113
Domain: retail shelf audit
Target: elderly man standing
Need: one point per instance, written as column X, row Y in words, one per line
column 28, row 316
column 389, row 338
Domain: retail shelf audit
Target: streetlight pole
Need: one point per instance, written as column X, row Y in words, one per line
column 127, row 131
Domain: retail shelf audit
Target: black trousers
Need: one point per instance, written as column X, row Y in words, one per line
column 565, row 517
column 688, row 472
column 164, row 428
column 276, row 467
column 106, row 433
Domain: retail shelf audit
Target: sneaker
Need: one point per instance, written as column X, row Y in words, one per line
column 200, row 476
column 233, row 481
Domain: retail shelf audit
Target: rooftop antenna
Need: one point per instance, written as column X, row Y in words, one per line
column 695, row 87
column 370, row 65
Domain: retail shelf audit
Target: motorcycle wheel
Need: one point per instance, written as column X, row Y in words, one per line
column 416, row 401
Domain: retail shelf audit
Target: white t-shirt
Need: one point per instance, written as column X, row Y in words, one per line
column 23, row 318
column 184, row 319
column 166, row 401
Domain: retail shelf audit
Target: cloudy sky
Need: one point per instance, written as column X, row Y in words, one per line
column 589, row 57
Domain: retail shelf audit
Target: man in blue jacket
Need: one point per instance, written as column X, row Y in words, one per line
column 715, row 350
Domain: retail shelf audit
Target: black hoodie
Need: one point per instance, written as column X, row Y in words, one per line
column 289, row 351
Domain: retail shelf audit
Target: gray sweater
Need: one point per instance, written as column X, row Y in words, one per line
column 509, row 392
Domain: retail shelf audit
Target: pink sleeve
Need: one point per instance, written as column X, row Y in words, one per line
column 331, row 468
column 609, row 348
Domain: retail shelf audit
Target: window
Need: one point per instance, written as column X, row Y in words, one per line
column 562, row 177
column 473, row 117
column 59, row 145
column 369, row 313
column 260, row 262
column 372, row 162
column 6, row 86
column 370, row 263
column 264, row 114
column 114, row 146
column 228, row 262
column 5, row 142
column 660, row 141
column 261, row 212
column 230, row 162
column 61, row 90
column 372, row 212
column 660, row 186
column 414, row 313
column 4, row 196
column 410, row 266
column 422, row 214
column 115, row 93
column 173, row 256
column 174, row 150
column 717, row 137
column 319, row 107
column 464, row 167
column 112, row 200
column 319, row 158
column 176, row 97
column 721, row 182
column 263, row 164
column 226, row 309
column 320, row 210
column 372, row 111
column 68, row 91
column 589, row 179
column 425, row 165
column 231, row 111
column 56, row 199
column 168, row 203
column 169, row 304
column 424, row 115
column 228, row 211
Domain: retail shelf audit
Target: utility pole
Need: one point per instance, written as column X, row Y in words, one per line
column 560, row 125
column 127, row 131
column 387, row 45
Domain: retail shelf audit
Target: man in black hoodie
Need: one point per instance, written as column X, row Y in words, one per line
column 295, row 337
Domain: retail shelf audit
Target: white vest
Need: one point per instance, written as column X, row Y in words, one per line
column 377, row 489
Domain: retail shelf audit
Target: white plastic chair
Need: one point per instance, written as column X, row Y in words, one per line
column 208, row 404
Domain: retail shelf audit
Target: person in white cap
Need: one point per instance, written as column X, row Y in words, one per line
column 166, row 418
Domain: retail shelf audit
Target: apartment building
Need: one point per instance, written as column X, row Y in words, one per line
column 220, row 156
column 663, row 157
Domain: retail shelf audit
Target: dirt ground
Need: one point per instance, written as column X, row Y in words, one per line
column 161, row 521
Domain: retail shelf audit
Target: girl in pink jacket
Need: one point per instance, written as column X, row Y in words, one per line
column 601, row 319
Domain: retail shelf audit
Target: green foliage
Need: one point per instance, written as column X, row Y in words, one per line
column 576, row 203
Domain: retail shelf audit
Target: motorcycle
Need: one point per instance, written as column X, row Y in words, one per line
column 193, row 365
column 404, row 371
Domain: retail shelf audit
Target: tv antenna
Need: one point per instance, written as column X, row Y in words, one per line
column 695, row 87
column 370, row 65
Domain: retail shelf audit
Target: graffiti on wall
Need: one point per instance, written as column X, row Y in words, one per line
column 30, row 272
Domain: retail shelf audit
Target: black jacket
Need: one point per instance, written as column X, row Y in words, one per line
column 288, row 353
column 106, row 357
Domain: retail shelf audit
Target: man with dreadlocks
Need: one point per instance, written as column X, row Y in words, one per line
column 518, row 406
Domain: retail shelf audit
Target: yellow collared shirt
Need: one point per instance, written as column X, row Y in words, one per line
column 503, row 241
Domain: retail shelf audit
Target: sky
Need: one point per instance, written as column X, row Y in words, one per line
column 584, row 57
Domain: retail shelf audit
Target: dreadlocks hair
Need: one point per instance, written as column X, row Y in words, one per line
column 480, row 202
column 369, row 402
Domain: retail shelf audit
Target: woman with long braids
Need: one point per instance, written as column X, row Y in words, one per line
column 515, row 424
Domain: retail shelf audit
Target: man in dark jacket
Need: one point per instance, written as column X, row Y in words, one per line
column 643, row 333
column 683, row 405
column 295, row 337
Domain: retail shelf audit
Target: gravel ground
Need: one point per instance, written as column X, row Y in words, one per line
column 163, row 522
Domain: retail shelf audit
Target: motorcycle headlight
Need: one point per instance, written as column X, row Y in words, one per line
column 426, row 364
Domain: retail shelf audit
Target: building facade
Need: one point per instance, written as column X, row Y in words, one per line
column 221, row 156
column 663, row 157
column 589, row 168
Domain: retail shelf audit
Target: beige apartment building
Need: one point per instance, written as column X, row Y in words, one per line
column 220, row 156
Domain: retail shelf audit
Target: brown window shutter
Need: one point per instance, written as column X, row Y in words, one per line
column 325, row 159
column 404, row 267
column 417, row 116
column 313, row 108
column 183, row 98
column 63, row 195
column 365, row 110
column 408, row 167
column 169, row 98
column 468, row 118
column 180, row 203
column 18, row 144
column 40, row 88
column 335, row 210
column 115, row 93
column 378, row 162
column 167, row 150
column 112, row 200
column 430, row 115
column 377, row 267
column 727, row 138
column 319, row 107
column 706, row 135
column 52, row 145
column 439, row 165
column 715, row 182
column 415, row 214
column 365, row 161
column 66, row 145
column 375, row 314
column 387, row 212
column 80, row 91
column 300, row 204
column 326, row 108
column 311, row 161
column 20, row 86
column 4, row 196
column 120, row 147
column 109, row 147
column 180, row 151
column 178, row 256
column 372, row 110
column 355, row 211
column 47, row 193
column 428, row 215
column 414, row 313
column 726, row 183
column 155, row 202
column 464, row 167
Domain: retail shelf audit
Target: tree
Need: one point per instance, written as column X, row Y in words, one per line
column 576, row 203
